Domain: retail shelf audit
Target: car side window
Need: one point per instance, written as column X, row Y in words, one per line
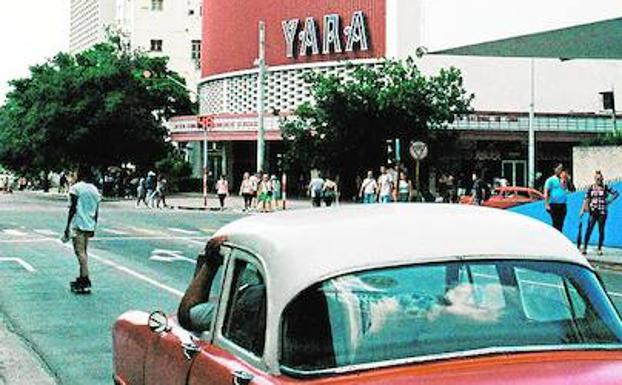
column 245, row 317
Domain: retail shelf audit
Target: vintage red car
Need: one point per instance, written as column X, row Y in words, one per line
column 391, row 294
column 506, row 197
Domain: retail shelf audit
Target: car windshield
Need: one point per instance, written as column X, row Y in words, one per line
column 429, row 310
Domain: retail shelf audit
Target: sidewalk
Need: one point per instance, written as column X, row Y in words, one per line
column 18, row 363
column 611, row 258
column 194, row 201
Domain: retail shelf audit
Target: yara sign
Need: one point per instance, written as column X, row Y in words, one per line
column 309, row 39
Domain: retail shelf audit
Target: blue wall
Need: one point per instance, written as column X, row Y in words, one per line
column 613, row 230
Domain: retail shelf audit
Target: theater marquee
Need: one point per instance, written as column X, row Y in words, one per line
column 304, row 39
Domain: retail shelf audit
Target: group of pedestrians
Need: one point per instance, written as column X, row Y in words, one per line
column 596, row 203
column 322, row 189
column 260, row 191
column 152, row 190
column 390, row 186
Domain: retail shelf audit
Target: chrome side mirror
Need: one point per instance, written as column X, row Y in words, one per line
column 158, row 322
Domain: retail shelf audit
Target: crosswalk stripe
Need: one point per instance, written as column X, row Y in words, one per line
column 14, row 232
column 114, row 231
column 47, row 232
column 182, row 231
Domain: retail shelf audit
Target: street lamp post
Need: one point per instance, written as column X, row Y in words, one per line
column 532, row 132
column 261, row 62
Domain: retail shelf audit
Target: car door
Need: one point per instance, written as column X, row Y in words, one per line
column 171, row 356
column 235, row 355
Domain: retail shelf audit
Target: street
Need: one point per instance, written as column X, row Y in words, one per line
column 139, row 259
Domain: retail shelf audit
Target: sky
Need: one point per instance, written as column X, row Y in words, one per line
column 475, row 21
column 30, row 32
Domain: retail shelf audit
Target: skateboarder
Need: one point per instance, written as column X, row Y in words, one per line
column 81, row 223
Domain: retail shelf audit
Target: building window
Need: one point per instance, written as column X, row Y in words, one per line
column 196, row 50
column 156, row 45
column 157, row 5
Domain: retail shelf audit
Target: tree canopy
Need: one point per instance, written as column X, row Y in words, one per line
column 345, row 129
column 95, row 108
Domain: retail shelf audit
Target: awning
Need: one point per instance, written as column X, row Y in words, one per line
column 598, row 40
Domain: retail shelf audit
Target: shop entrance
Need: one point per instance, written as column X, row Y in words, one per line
column 515, row 171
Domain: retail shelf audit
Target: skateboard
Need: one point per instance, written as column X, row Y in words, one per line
column 79, row 289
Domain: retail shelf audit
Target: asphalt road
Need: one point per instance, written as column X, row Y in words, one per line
column 140, row 259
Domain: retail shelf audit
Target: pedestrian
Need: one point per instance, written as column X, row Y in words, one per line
column 451, row 189
column 329, row 191
column 22, row 183
column 556, row 196
column 369, row 188
column 277, row 194
column 255, row 178
column 264, row 194
column 597, row 200
column 62, row 182
column 480, row 191
column 150, row 185
column 222, row 190
column 161, row 191
column 385, row 183
column 315, row 190
column 141, row 192
column 81, row 224
column 246, row 191
column 404, row 188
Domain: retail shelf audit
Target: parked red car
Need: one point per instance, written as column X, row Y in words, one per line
column 506, row 197
column 301, row 299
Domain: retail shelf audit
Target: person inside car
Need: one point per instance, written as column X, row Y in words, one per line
column 195, row 312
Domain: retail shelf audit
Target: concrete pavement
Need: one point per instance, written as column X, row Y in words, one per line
column 19, row 363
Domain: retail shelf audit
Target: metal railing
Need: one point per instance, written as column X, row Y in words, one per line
column 542, row 122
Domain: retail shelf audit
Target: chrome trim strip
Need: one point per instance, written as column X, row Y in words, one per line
column 454, row 355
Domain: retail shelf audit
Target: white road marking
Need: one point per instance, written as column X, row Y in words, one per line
column 47, row 232
column 195, row 240
column 26, row 241
column 147, row 238
column 182, row 231
column 28, row 267
column 131, row 272
column 14, row 232
column 163, row 255
column 114, row 231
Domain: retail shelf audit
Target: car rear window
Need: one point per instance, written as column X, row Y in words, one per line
column 430, row 310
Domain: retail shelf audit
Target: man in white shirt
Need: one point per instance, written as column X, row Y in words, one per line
column 81, row 223
column 385, row 183
column 368, row 188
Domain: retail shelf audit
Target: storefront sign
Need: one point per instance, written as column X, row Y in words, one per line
column 307, row 40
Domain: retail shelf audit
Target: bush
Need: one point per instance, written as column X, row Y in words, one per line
column 176, row 170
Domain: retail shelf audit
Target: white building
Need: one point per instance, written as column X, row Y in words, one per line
column 89, row 20
column 169, row 28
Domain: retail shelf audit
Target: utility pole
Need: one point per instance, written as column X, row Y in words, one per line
column 261, row 144
column 532, row 131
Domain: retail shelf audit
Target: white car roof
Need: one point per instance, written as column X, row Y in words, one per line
column 303, row 247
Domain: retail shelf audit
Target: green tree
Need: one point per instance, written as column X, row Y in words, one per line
column 345, row 129
column 94, row 108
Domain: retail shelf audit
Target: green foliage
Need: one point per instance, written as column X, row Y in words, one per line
column 345, row 129
column 609, row 139
column 176, row 170
column 94, row 108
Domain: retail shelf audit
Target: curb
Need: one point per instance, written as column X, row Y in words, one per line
column 606, row 265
